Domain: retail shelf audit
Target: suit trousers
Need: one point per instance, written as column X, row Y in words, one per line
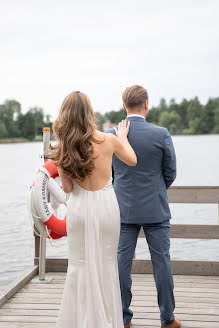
column 157, row 237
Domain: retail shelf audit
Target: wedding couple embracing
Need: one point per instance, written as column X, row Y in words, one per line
column 117, row 183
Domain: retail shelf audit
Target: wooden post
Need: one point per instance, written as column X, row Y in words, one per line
column 42, row 253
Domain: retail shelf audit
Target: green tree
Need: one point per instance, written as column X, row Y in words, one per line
column 116, row 117
column 9, row 113
column 38, row 116
column 154, row 115
column 207, row 116
column 172, row 106
column 194, row 112
column 155, row 112
column 27, row 125
column 171, row 121
column 13, row 129
column 163, row 105
column 194, row 109
column 3, row 130
column 182, row 112
column 216, row 120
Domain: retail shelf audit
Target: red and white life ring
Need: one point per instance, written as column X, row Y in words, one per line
column 43, row 185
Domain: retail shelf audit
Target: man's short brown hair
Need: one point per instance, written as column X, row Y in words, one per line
column 134, row 96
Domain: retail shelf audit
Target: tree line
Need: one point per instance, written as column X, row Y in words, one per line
column 186, row 117
column 15, row 124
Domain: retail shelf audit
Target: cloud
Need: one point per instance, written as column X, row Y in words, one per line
column 49, row 48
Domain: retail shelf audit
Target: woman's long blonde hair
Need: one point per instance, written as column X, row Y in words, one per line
column 73, row 130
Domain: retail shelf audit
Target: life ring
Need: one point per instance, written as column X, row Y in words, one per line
column 43, row 185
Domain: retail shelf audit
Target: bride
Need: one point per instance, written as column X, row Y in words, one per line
column 83, row 155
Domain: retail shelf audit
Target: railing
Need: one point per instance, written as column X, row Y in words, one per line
column 176, row 194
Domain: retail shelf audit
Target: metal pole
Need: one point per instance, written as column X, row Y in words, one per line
column 42, row 258
column 42, row 253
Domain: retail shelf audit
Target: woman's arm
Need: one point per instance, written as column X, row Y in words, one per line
column 67, row 184
column 122, row 147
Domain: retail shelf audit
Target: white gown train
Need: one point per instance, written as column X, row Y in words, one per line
column 91, row 296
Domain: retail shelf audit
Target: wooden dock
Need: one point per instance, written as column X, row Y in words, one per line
column 30, row 302
column 37, row 303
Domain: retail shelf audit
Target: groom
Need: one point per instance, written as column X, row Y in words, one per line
column 141, row 191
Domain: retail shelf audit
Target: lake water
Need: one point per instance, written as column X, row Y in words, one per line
column 197, row 164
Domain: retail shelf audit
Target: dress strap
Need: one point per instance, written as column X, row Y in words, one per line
column 108, row 185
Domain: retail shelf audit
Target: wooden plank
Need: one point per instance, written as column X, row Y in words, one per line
column 185, row 284
column 146, row 277
column 140, row 300
column 179, row 303
column 138, row 290
column 185, row 317
column 137, row 315
column 192, row 231
column 177, row 294
column 179, row 286
column 39, row 291
column 177, row 277
column 18, row 283
column 27, row 296
column 26, row 325
column 42, row 286
column 57, row 281
column 156, row 323
column 54, row 264
column 183, row 299
column 32, row 300
column 28, row 312
column 183, row 310
column 186, row 307
column 194, row 194
column 184, row 279
column 186, row 290
column 189, row 282
column 56, row 274
column 152, row 325
column 31, row 306
column 150, row 283
column 202, row 268
column 14, row 318
column 50, row 298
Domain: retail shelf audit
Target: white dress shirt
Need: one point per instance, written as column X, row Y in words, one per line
column 138, row 115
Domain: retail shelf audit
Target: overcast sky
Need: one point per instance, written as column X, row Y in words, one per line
column 50, row 48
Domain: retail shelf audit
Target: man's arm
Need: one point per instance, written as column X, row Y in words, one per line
column 111, row 130
column 169, row 160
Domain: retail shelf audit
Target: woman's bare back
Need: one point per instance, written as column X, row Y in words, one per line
column 102, row 155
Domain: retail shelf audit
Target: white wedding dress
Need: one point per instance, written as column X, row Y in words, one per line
column 91, row 296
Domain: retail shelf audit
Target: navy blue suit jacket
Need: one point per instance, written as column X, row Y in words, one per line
column 141, row 190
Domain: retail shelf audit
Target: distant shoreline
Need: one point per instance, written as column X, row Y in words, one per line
column 40, row 138
column 20, row 140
